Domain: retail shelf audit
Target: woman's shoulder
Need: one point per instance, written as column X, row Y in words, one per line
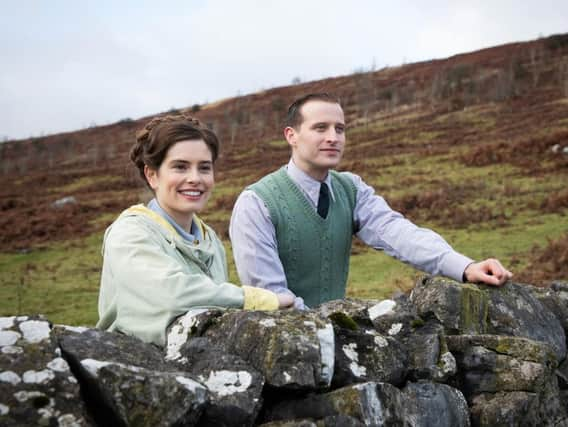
column 138, row 223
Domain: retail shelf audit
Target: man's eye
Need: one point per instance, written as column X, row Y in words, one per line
column 179, row 167
column 340, row 129
column 206, row 168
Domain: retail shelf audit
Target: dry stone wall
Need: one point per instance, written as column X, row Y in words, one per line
column 449, row 354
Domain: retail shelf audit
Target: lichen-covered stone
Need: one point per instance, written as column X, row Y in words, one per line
column 85, row 343
column 370, row 403
column 546, row 408
column 515, row 311
column 293, row 350
column 365, row 355
column 492, row 363
column 355, row 309
column 37, row 386
column 333, row 421
column 235, row 387
column 428, row 354
column 432, row 404
column 134, row 396
column 461, row 308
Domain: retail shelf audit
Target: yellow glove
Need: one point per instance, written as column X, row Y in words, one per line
column 260, row 299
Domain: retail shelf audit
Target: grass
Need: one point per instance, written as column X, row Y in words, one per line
column 60, row 281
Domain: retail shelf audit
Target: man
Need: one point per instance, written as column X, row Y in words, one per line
column 292, row 230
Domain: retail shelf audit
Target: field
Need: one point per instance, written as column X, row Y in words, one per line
column 474, row 147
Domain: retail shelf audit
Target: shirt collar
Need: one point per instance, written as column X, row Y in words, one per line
column 195, row 233
column 309, row 185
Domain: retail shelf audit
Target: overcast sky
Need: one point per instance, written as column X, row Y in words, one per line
column 68, row 64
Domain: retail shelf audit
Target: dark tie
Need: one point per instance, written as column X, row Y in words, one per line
column 323, row 201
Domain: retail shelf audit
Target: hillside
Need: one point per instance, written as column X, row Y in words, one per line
column 474, row 146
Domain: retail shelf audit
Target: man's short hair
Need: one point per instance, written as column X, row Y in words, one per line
column 294, row 117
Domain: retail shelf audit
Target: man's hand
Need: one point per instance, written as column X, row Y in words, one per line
column 285, row 300
column 490, row 272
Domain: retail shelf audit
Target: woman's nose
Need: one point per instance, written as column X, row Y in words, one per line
column 193, row 175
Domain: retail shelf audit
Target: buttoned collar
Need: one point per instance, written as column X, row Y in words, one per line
column 309, row 186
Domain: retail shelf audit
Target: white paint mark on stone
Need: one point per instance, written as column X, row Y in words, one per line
column 326, row 339
column 179, row 333
column 381, row 341
column 24, row 396
column 448, row 364
column 68, row 420
column 4, row 410
column 188, row 383
column 12, row 349
column 7, row 322
column 269, row 323
column 9, row 337
column 35, row 330
column 382, row 308
column 58, row 364
column 310, row 324
column 77, row 329
column 10, row 377
column 287, row 377
column 92, row 366
column 72, row 380
column 38, row 377
column 373, row 409
column 22, row 318
column 350, row 350
column 395, row 329
column 224, row 383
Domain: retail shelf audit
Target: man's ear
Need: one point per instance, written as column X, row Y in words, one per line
column 290, row 135
column 151, row 176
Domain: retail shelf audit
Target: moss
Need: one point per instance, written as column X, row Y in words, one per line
column 417, row 323
column 474, row 310
column 344, row 321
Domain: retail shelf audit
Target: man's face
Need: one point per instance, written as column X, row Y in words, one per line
column 318, row 143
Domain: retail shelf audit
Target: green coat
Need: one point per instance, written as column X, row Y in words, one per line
column 151, row 275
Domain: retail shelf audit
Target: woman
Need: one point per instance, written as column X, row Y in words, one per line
column 161, row 260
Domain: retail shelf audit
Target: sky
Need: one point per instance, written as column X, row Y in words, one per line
column 67, row 64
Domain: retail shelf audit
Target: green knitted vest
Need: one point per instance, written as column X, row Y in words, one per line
column 314, row 251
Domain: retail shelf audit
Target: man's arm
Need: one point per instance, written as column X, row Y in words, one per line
column 385, row 229
column 255, row 248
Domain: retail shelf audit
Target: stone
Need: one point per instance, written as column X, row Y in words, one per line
column 235, row 387
column 492, row 363
column 293, row 350
column 370, row 403
column 131, row 395
column 364, row 355
column 37, row 386
column 515, row 311
column 461, row 308
column 432, row 404
column 78, row 344
column 428, row 355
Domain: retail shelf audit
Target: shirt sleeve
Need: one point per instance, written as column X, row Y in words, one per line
column 385, row 229
column 255, row 250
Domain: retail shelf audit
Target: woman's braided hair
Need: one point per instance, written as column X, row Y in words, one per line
column 159, row 134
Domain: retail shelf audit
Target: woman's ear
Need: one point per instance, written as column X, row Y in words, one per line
column 151, row 176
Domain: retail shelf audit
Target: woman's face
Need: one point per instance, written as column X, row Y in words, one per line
column 184, row 181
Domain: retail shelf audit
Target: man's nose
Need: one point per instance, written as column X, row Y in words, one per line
column 332, row 135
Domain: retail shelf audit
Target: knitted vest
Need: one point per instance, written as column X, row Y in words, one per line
column 314, row 251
